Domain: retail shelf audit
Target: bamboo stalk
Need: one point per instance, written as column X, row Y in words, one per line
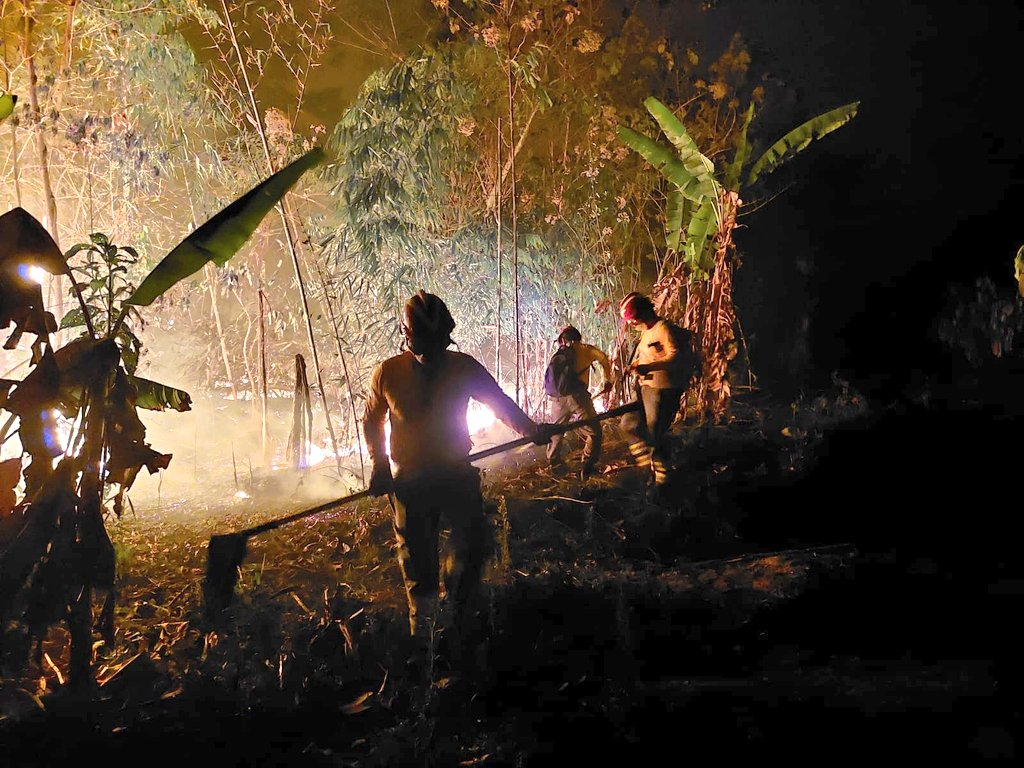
column 344, row 367
column 515, row 221
column 497, row 217
column 264, row 442
column 284, row 211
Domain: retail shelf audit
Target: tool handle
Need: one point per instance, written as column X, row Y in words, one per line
column 327, row 505
column 557, row 429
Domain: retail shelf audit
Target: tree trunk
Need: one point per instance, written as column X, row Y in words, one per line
column 710, row 313
column 263, row 378
column 50, row 215
column 212, row 284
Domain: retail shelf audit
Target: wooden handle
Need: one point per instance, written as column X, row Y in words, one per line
column 556, row 429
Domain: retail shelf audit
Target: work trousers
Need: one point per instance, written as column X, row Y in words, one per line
column 452, row 497
column 570, row 408
column 649, row 428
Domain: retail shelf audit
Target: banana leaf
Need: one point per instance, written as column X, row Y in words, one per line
column 220, row 237
column 675, row 215
column 666, row 162
column 742, row 154
column 23, row 240
column 154, row 396
column 686, row 150
column 702, row 227
column 7, row 102
column 794, row 141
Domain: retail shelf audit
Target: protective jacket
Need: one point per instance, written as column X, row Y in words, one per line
column 427, row 405
column 666, row 342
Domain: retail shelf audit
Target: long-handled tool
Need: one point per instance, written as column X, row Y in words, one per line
column 226, row 551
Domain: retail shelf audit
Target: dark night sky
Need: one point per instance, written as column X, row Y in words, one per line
column 921, row 189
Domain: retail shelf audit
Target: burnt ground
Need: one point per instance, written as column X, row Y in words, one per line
column 826, row 580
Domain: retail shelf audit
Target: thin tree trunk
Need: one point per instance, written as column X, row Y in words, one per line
column 515, row 224
column 492, row 196
column 50, row 216
column 497, row 218
column 15, row 175
column 284, row 211
column 344, row 368
column 211, row 282
column 263, row 378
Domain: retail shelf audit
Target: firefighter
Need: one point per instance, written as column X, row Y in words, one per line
column 426, row 390
column 664, row 361
column 569, row 390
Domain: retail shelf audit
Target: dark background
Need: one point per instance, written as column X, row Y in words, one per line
column 847, row 268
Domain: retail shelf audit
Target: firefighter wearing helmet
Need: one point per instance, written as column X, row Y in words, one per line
column 567, row 383
column 664, row 360
column 425, row 392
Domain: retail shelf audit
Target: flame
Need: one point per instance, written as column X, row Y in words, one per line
column 479, row 417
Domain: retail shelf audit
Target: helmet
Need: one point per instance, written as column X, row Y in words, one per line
column 427, row 317
column 569, row 334
column 634, row 306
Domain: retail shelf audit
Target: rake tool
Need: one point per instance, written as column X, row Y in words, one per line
column 226, row 551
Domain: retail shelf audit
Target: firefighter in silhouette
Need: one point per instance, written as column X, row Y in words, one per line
column 425, row 391
column 664, row 360
column 567, row 383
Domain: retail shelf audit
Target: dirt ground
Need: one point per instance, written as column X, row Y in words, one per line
column 825, row 579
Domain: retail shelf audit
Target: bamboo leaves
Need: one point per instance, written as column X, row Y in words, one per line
column 220, row 237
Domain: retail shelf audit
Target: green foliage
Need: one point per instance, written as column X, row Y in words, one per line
column 102, row 276
column 691, row 178
column 391, row 148
column 699, row 167
column 798, row 138
column 691, row 175
column 741, row 155
column 7, row 102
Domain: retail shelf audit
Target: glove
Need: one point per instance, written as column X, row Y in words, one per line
column 381, row 481
column 544, row 433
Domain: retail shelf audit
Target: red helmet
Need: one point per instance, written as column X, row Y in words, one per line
column 569, row 334
column 427, row 317
column 634, row 306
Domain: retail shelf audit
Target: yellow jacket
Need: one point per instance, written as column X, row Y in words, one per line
column 669, row 347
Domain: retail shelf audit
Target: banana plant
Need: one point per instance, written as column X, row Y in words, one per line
column 694, row 191
column 54, row 549
column 700, row 216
